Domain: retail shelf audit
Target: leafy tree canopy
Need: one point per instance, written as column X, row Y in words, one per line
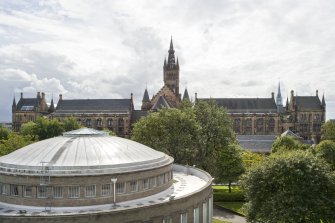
column 326, row 150
column 251, row 158
column 171, row 131
column 290, row 187
column 14, row 142
column 328, row 131
column 70, row 124
column 192, row 135
column 288, row 143
column 216, row 133
column 3, row 133
column 229, row 165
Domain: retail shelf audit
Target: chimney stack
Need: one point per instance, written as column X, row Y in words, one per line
column 60, row 97
column 272, row 95
column 43, row 95
column 196, row 95
column 317, row 93
column 38, row 94
column 21, row 94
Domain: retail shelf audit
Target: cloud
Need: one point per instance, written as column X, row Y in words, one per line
column 108, row 49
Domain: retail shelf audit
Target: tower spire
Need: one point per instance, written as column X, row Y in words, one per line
column 323, row 100
column 279, row 101
column 14, row 104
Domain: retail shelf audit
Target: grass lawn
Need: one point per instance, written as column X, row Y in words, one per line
column 219, row 221
column 232, row 205
column 224, row 188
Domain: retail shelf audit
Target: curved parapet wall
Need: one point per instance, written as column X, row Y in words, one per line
column 190, row 196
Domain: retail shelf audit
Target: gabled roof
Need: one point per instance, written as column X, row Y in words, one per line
column 138, row 114
column 27, row 104
column 246, row 105
column 256, row 143
column 168, row 95
column 161, row 103
column 307, row 103
column 93, row 105
column 290, row 133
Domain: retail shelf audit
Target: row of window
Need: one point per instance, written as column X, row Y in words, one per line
column 305, row 128
column 308, row 117
column 259, row 124
column 90, row 190
column 196, row 217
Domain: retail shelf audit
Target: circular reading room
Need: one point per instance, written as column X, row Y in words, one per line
column 87, row 176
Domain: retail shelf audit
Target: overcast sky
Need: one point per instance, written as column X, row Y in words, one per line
column 108, row 49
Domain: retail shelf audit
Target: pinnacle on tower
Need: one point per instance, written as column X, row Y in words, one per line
column 279, row 100
column 14, row 102
column 323, row 100
column 52, row 106
column 146, row 96
column 185, row 95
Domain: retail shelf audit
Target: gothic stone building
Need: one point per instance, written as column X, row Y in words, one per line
column 112, row 114
column 29, row 109
column 303, row 115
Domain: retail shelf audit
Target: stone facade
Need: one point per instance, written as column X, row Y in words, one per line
column 28, row 109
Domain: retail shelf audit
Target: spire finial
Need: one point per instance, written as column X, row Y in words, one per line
column 323, row 99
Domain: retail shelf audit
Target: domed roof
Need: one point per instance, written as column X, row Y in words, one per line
column 83, row 152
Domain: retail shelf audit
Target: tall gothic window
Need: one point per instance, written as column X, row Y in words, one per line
column 260, row 124
column 237, row 125
column 248, row 126
column 271, row 125
column 109, row 123
column 99, row 122
column 88, row 122
column 120, row 125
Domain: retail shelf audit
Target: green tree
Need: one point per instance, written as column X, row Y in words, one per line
column 171, row 131
column 43, row 128
column 3, row 133
column 110, row 132
column 229, row 165
column 70, row 124
column 29, row 128
column 328, row 131
column 290, row 187
column 285, row 143
column 326, row 150
column 251, row 158
column 215, row 133
column 14, row 142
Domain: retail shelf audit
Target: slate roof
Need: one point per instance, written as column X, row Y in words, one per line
column 94, row 105
column 27, row 104
column 290, row 133
column 308, row 103
column 246, row 105
column 138, row 114
column 257, row 143
column 161, row 103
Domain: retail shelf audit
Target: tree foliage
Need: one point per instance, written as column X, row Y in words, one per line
column 229, row 165
column 290, row 187
column 288, row 143
column 14, row 142
column 326, row 150
column 3, row 133
column 328, row 131
column 47, row 128
column 216, row 133
column 251, row 158
column 70, row 124
column 192, row 135
column 171, row 131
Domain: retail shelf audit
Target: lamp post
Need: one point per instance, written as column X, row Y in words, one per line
column 113, row 180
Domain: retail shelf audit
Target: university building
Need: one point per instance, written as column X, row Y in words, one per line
column 302, row 115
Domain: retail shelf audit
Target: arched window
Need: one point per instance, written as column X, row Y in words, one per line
column 260, row 125
column 99, row 122
column 109, row 123
column 237, row 125
column 121, row 125
column 88, row 122
column 271, row 125
column 248, row 126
